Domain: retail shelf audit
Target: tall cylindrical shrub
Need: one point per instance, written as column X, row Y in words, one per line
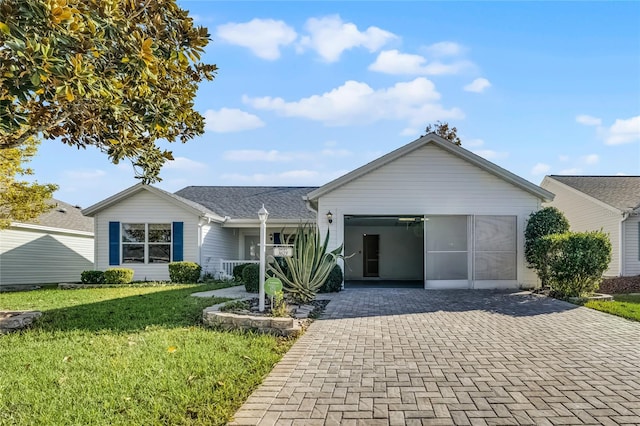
column 546, row 221
column 251, row 277
column 576, row 261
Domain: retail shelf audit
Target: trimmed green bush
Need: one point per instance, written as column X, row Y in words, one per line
column 251, row 277
column 546, row 221
column 333, row 282
column 576, row 261
column 184, row 272
column 237, row 271
column 92, row 277
column 118, row 276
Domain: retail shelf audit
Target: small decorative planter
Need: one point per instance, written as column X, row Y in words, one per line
column 16, row 320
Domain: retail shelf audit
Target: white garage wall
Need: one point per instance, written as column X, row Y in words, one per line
column 38, row 256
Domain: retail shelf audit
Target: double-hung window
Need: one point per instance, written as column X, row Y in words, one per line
column 146, row 242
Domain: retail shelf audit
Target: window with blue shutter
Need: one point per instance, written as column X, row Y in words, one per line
column 114, row 243
column 178, row 246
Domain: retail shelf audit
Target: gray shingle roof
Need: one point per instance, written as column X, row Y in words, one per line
column 65, row 216
column 621, row 192
column 243, row 202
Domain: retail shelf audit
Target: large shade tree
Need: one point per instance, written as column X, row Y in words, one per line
column 118, row 75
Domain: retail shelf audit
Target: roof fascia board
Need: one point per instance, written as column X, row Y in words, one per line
column 35, row 227
column 446, row 145
column 255, row 223
column 584, row 195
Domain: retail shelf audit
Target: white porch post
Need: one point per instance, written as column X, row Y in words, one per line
column 263, row 214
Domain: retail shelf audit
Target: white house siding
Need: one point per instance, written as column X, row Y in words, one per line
column 631, row 229
column 430, row 181
column 35, row 256
column 218, row 243
column 584, row 214
column 145, row 207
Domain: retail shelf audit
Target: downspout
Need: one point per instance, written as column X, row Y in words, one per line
column 621, row 265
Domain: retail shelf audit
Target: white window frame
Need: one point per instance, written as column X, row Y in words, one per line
column 146, row 243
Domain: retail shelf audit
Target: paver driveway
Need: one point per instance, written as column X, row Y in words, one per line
column 405, row 356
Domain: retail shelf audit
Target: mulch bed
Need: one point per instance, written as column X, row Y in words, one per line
column 318, row 308
column 619, row 285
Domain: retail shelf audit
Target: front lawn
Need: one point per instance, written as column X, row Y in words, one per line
column 122, row 356
column 623, row 305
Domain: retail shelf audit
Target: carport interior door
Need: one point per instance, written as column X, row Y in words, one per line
column 371, row 250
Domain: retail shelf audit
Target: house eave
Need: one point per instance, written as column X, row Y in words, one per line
column 255, row 223
column 52, row 229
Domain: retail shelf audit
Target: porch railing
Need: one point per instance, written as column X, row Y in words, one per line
column 226, row 266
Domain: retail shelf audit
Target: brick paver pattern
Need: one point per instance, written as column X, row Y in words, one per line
column 409, row 356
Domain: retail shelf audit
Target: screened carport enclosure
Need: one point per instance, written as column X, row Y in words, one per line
column 443, row 251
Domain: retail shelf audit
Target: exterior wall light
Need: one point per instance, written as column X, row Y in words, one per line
column 329, row 217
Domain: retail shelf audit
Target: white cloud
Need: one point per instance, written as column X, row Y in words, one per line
column 471, row 143
column 540, row 169
column 591, row 159
column 184, row 164
column 478, row 85
column 330, row 36
column 357, row 103
column 409, row 131
column 397, row 63
column 588, row 120
column 253, row 155
column 490, row 154
column 263, row 37
column 571, row 171
column 624, row 131
column 228, row 120
column 296, row 177
column 445, row 48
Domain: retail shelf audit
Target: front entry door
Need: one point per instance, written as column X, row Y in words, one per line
column 371, row 250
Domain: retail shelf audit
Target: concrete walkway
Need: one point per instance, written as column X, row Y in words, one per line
column 405, row 356
column 235, row 292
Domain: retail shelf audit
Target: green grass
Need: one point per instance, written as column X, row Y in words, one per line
column 122, row 356
column 623, row 305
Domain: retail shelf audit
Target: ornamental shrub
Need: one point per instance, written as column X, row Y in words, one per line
column 118, row 276
column 333, row 282
column 577, row 261
column 92, row 277
column 184, row 272
column 251, row 278
column 237, row 271
column 546, row 221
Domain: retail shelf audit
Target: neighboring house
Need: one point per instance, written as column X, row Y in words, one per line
column 54, row 248
column 607, row 203
column 429, row 211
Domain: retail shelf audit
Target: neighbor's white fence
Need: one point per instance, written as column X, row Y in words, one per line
column 226, row 266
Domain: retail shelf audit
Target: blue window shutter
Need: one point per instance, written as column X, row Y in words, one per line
column 114, row 243
column 276, row 238
column 178, row 236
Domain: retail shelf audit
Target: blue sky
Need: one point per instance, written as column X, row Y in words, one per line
column 308, row 91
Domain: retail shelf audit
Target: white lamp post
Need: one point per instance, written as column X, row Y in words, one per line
column 263, row 214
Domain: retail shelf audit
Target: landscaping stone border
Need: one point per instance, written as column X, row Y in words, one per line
column 279, row 326
column 595, row 296
column 18, row 321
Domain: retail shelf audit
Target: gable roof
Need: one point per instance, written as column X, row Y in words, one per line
column 184, row 203
column 452, row 148
column 63, row 216
column 243, row 202
column 621, row 192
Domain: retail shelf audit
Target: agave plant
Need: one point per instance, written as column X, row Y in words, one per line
column 305, row 272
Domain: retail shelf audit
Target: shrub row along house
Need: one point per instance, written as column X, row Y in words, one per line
column 430, row 212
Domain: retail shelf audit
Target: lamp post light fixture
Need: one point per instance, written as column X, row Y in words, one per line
column 329, row 217
column 263, row 214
